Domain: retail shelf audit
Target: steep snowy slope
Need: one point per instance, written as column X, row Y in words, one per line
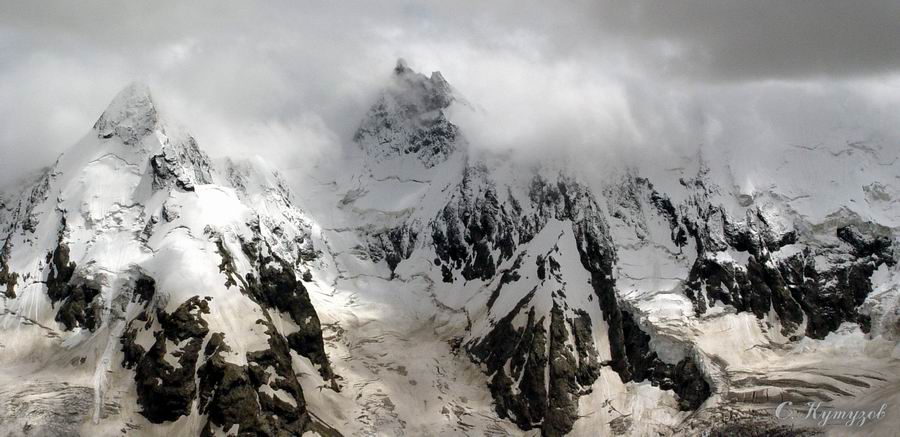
column 148, row 290
column 656, row 300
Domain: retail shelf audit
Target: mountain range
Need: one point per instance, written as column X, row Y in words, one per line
column 422, row 285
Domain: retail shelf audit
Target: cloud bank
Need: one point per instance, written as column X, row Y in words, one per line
column 291, row 80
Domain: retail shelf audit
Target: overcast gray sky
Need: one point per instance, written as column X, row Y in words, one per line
column 289, row 79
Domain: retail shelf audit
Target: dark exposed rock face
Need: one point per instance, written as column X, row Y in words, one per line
column 831, row 296
column 144, row 291
column 393, row 245
column 61, row 272
column 277, row 288
column 525, row 350
column 631, row 355
column 226, row 393
column 262, row 397
column 589, row 368
column 166, row 392
column 144, row 288
column 78, row 307
column 756, row 287
column 562, row 405
column 689, row 384
column 8, row 279
column 234, row 395
column 794, row 286
column 291, row 412
column 643, row 364
column 474, row 223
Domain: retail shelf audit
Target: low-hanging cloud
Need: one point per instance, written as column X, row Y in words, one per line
column 290, row 80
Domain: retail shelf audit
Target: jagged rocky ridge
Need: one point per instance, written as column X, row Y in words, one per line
column 808, row 299
column 422, row 129
column 465, row 239
column 184, row 272
column 540, row 350
column 536, row 374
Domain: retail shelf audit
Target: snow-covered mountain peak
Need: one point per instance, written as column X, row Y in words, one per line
column 406, row 132
column 401, row 67
column 159, row 281
column 419, row 93
column 132, row 131
column 131, row 115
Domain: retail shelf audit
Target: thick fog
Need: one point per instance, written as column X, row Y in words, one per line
column 291, row 80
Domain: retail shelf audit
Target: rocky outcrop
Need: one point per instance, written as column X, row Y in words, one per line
column 277, row 288
column 166, row 391
column 226, row 393
column 811, row 281
column 61, row 272
column 182, row 164
column 75, row 296
column 588, row 366
column 631, row 355
column 474, row 224
column 408, row 119
column 643, row 364
column 795, row 287
column 261, row 398
column 392, row 245
column 833, row 295
column 564, row 369
column 8, row 279
column 519, row 393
